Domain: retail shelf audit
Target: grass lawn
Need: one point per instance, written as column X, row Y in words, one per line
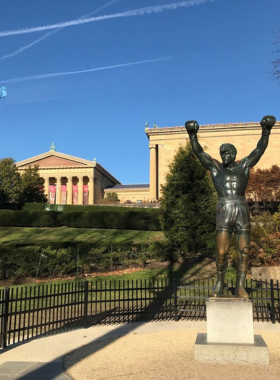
column 124, row 275
column 33, row 235
column 145, row 274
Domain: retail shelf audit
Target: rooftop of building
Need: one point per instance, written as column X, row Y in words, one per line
column 237, row 124
column 130, row 186
column 207, row 128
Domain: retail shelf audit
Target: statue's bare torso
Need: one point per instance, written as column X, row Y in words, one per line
column 230, row 182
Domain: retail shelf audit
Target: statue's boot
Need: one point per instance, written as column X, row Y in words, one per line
column 241, row 271
column 220, row 284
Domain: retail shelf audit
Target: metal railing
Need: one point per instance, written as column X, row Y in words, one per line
column 27, row 312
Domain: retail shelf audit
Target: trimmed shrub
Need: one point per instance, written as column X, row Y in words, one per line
column 61, row 258
column 131, row 220
column 18, row 262
column 9, row 218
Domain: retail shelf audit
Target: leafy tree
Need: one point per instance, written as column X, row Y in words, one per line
column 188, row 204
column 32, row 186
column 111, row 198
column 264, row 184
column 9, row 181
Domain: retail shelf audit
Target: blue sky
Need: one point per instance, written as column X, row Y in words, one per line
column 199, row 59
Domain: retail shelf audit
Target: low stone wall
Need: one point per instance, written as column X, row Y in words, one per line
column 265, row 273
column 131, row 205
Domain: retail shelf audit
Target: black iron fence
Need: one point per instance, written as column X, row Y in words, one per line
column 26, row 312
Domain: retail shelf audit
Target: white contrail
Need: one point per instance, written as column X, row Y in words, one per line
column 20, row 50
column 23, row 48
column 51, row 75
column 135, row 12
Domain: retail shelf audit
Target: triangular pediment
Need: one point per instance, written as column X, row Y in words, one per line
column 55, row 160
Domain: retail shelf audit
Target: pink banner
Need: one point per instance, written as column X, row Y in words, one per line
column 52, row 192
column 75, row 195
column 85, row 196
column 63, row 194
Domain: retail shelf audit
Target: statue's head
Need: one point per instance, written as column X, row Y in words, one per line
column 228, row 153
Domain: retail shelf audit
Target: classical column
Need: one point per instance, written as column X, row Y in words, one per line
column 153, row 172
column 46, row 186
column 91, row 190
column 80, row 191
column 58, row 190
column 69, row 191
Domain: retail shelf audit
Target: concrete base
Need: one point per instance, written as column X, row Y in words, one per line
column 229, row 320
column 256, row 353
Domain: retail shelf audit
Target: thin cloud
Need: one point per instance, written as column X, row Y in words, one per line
column 135, row 12
column 52, row 75
column 23, row 48
column 37, row 100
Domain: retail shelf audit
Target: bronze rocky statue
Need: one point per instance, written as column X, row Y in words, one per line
column 230, row 179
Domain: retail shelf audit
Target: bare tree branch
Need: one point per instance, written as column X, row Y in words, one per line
column 276, row 62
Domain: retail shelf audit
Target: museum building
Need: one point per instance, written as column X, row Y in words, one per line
column 72, row 180
column 69, row 179
column 164, row 143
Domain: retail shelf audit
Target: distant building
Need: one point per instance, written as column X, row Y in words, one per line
column 138, row 193
column 69, row 179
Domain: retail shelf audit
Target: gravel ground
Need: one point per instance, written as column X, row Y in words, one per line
column 162, row 355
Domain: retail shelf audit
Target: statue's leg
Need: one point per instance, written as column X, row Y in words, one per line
column 242, row 247
column 223, row 238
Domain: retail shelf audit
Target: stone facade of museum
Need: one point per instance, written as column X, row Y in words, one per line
column 164, row 143
column 72, row 180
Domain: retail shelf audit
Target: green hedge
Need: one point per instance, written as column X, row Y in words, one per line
column 131, row 220
column 9, row 218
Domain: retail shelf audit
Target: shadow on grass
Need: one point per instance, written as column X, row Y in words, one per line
column 33, row 236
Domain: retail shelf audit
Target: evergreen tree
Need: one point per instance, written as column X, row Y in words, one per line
column 188, row 204
column 9, row 181
column 32, row 186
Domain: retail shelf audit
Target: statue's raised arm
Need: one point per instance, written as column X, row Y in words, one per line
column 192, row 128
column 266, row 123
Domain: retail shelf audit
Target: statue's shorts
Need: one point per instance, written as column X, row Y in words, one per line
column 233, row 215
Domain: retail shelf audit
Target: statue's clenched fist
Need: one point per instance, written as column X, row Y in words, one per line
column 192, row 127
column 267, row 122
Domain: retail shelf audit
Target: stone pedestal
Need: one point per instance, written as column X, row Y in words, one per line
column 256, row 353
column 230, row 335
column 229, row 320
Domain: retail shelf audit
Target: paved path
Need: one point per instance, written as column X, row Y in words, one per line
column 42, row 358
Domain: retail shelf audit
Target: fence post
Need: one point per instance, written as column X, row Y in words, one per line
column 175, row 299
column 5, row 317
column 85, row 303
column 272, row 301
